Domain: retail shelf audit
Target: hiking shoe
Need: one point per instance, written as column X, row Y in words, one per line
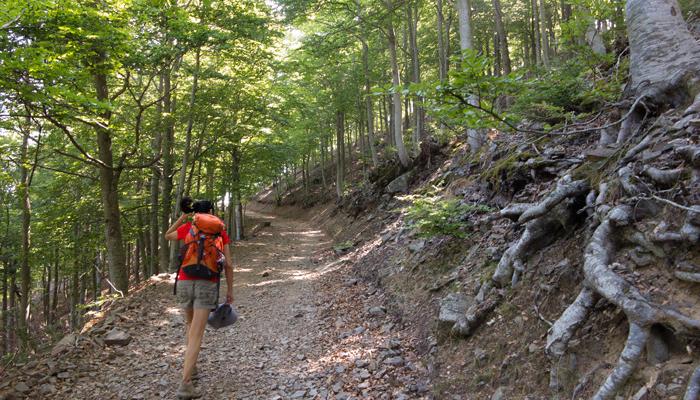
column 186, row 391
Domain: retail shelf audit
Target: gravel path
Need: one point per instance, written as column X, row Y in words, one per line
column 308, row 330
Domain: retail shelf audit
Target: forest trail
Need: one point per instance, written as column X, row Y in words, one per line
column 305, row 331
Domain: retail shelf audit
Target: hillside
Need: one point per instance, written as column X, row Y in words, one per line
column 434, row 280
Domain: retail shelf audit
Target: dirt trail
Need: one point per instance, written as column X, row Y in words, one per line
column 307, row 330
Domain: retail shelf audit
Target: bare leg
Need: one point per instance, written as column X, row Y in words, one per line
column 189, row 313
column 195, row 332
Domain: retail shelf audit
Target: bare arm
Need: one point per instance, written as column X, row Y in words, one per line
column 228, row 268
column 171, row 234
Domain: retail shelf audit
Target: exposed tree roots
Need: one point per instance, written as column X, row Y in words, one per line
column 693, row 391
column 564, row 329
column 602, row 281
column 542, row 220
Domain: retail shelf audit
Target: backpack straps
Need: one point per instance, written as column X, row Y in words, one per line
column 179, row 264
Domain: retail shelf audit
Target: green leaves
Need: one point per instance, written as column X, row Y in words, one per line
column 433, row 215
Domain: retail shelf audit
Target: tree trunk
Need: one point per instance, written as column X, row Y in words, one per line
column 186, row 154
column 465, row 25
column 536, row 32
column 26, row 207
column 415, row 64
column 664, row 56
column 12, row 317
column 154, row 232
column 236, row 193
column 396, row 95
column 496, row 56
column 340, row 165
column 543, row 34
column 75, row 293
column 442, row 53
column 109, row 187
column 167, row 178
column 4, row 347
column 502, row 37
column 368, row 104
column 54, row 305
column 565, row 11
column 323, row 162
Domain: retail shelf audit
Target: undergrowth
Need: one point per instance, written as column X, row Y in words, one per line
column 432, row 215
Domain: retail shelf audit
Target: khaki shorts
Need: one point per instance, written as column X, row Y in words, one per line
column 197, row 294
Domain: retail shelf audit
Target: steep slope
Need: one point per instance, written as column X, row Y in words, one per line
column 535, row 300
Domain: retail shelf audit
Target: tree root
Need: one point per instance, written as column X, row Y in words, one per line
column 689, row 232
column 475, row 315
column 565, row 189
column 564, row 328
column 541, row 220
column 687, row 276
column 663, row 177
column 602, row 281
column 693, row 391
column 636, row 340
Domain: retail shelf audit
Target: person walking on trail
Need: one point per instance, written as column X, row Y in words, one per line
column 204, row 251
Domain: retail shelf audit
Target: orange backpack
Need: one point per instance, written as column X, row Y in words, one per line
column 202, row 255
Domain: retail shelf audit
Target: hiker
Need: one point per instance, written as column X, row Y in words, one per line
column 197, row 281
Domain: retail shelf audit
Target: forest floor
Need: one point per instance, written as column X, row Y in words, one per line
column 307, row 330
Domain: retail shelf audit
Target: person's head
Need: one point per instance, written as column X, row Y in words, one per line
column 203, row 206
column 186, row 205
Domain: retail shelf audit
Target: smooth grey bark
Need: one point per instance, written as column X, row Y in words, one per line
column 536, row 32
column 368, row 106
column 396, row 95
column 340, row 165
column 594, row 38
column 26, row 207
column 465, row 25
column 166, row 177
column 664, row 56
column 543, row 33
column 442, row 53
column 413, row 16
column 474, row 137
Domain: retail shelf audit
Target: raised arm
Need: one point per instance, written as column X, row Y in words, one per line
column 171, row 234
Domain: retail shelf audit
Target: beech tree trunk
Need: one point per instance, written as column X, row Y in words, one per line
column 664, row 56
column 543, row 34
column 109, row 185
column 340, row 165
column 442, row 53
column 368, row 106
column 465, row 25
column 502, row 37
column 536, row 32
column 396, row 95
column 166, row 177
column 154, row 232
column 26, row 207
column 413, row 16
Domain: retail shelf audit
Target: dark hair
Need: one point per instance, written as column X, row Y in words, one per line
column 202, row 206
column 187, row 205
